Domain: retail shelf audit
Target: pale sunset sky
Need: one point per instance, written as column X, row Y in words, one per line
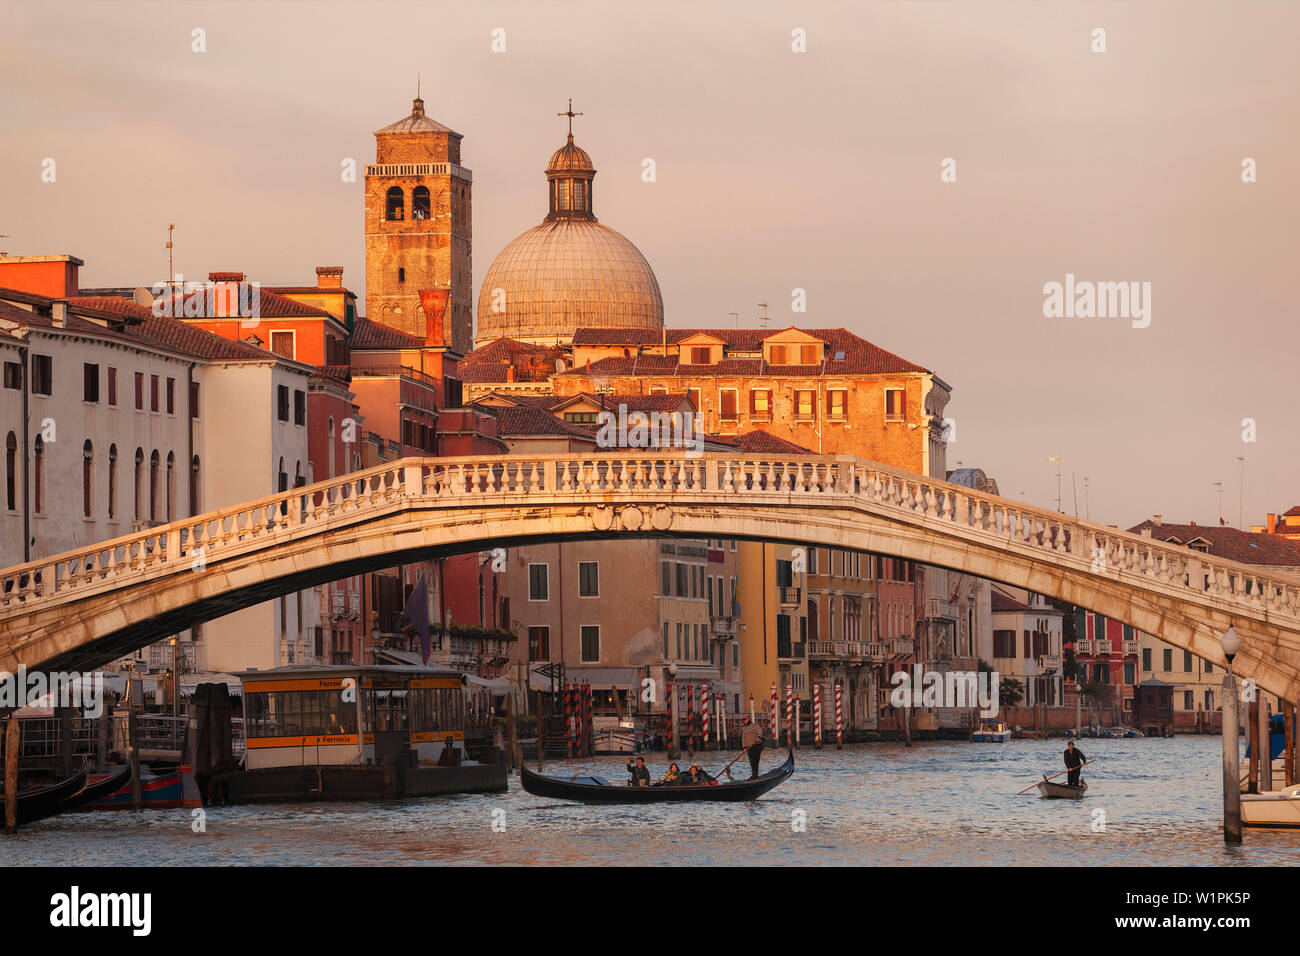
column 775, row 170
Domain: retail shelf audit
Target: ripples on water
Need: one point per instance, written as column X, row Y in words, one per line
column 877, row 804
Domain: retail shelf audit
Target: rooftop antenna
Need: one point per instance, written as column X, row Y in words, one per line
column 1241, row 494
column 762, row 315
column 1219, row 485
column 171, row 272
column 1075, row 487
column 735, row 317
column 1057, row 459
column 1087, row 510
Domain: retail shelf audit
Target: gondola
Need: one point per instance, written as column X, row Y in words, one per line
column 116, row 778
column 596, row 789
column 37, row 803
column 1061, row 791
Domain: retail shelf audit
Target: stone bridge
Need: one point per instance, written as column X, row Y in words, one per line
column 84, row 608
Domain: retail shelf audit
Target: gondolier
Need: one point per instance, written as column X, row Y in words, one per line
column 751, row 739
column 1074, row 761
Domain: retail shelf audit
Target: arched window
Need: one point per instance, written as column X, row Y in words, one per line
column 330, row 454
column 812, row 621
column 87, row 472
column 112, row 482
column 420, row 203
column 171, row 486
column 194, row 486
column 39, row 468
column 401, row 275
column 282, row 480
column 395, row 205
column 154, row 461
column 298, row 479
column 139, row 484
column 11, row 472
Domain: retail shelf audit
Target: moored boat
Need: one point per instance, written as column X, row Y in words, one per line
column 1272, row 810
column 37, row 803
column 158, row 791
column 596, row 789
column 991, row 732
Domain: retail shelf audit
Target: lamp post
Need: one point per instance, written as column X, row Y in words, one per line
column 1231, row 643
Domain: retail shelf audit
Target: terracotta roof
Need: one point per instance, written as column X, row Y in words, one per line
column 417, row 122
column 371, row 335
column 115, row 304
column 525, row 420
column 271, row 306
column 860, row 356
column 1229, row 543
column 503, row 350
column 1003, row 602
column 635, row 402
column 765, row 442
column 1293, row 512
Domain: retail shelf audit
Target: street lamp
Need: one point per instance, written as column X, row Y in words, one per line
column 1057, row 459
column 1231, row 644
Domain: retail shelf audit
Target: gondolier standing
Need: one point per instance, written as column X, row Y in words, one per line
column 751, row 738
column 1074, row 760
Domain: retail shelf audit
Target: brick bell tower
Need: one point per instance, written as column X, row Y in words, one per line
column 418, row 235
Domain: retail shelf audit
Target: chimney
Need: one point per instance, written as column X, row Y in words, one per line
column 510, row 373
column 223, row 294
column 434, row 303
column 1272, row 523
column 1156, row 520
column 329, row 277
column 59, row 313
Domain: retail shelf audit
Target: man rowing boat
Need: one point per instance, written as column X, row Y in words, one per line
column 1074, row 760
column 751, row 739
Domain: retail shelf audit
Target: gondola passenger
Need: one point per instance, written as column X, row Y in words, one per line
column 639, row 771
column 672, row 778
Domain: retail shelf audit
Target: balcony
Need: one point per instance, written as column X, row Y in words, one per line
column 724, row 628
column 1085, row 647
column 827, row 649
column 901, row 647
column 789, row 597
column 1131, row 648
column 1049, row 664
column 790, row 650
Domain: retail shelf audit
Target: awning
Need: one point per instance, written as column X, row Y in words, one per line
column 189, row 683
column 600, row 678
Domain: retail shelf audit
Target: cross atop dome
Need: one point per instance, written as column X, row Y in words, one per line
column 570, row 114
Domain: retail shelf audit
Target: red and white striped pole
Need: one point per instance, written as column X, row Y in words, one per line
column 776, row 717
column 789, row 713
column 839, row 715
column 752, row 718
column 704, row 713
column 817, row 716
column 670, row 744
column 568, row 720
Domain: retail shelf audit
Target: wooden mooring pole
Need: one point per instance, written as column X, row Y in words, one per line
column 11, row 776
column 512, row 739
column 1231, row 764
column 1252, row 729
column 1288, row 718
column 133, row 754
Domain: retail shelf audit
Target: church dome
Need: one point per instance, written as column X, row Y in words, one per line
column 570, row 272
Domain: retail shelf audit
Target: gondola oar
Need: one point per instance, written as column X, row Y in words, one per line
column 728, row 766
column 1055, row 775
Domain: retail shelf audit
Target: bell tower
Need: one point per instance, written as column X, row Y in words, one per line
column 418, row 234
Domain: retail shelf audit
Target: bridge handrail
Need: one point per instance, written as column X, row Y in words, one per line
column 637, row 474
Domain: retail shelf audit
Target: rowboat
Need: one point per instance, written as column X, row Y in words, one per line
column 1061, row 791
column 596, row 789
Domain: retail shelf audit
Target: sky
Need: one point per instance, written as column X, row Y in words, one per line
column 828, row 169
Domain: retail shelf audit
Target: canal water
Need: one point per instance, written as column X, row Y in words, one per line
column 1150, row 802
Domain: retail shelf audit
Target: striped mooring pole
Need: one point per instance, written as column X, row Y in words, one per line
column 776, row 717
column 669, row 743
column 789, row 714
column 817, row 716
column 704, row 714
column 839, row 715
column 568, row 720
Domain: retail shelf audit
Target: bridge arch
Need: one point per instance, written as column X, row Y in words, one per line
column 84, row 608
